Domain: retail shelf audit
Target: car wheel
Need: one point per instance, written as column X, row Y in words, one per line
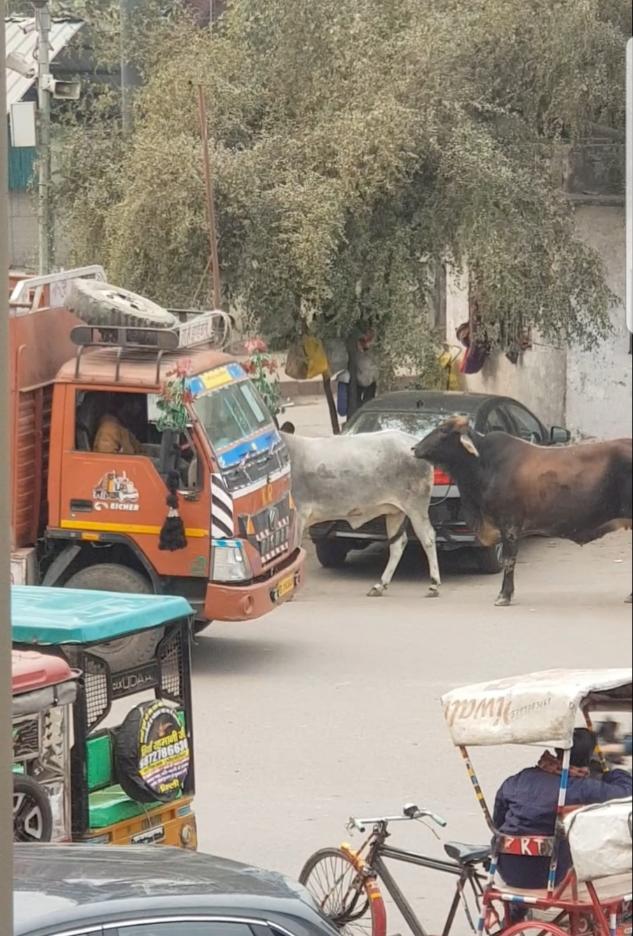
column 331, row 553
column 489, row 559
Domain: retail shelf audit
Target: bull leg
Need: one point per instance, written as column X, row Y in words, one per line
column 510, row 552
column 425, row 532
column 397, row 535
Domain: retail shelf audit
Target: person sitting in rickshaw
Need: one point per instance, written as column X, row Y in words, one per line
column 527, row 804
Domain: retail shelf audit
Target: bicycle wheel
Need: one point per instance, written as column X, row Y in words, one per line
column 535, row 927
column 350, row 899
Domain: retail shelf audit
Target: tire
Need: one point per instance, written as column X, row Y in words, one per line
column 97, row 303
column 536, row 927
column 124, row 653
column 350, row 900
column 331, row 553
column 32, row 813
column 489, row 559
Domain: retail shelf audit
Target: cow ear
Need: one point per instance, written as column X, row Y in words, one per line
column 469, row 445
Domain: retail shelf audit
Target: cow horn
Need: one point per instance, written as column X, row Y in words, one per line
column 469, row 445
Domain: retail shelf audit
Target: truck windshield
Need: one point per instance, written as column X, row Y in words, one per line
column 232, row 412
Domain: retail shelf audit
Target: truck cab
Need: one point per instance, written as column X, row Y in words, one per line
column 87, row 515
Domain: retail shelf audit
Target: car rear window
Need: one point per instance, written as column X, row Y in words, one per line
column 415, row 424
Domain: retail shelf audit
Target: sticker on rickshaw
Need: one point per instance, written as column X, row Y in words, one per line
column 150, row 836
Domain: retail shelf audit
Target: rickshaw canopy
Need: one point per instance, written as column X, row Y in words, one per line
column 56, row 616
column 40, row 682
column 538, row 708
column 31, row 670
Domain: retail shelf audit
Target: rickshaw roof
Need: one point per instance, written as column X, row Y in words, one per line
column 55, row 616
column 31, row 670
column 538, row 708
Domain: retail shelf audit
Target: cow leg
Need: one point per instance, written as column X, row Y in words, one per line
column 510, row 551
column 425, row 532
column 397, row 535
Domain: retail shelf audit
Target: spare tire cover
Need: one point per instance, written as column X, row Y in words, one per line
column 151, row 754
column 97, row 303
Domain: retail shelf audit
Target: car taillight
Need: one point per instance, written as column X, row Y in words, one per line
column 441, row 479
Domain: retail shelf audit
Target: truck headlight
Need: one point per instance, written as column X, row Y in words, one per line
column 229, row 562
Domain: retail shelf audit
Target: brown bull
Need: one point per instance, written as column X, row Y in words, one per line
column 512, row 489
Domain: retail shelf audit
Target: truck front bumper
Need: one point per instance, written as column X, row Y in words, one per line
column 255, row 599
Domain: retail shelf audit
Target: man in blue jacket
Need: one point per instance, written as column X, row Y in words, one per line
column 527, row 804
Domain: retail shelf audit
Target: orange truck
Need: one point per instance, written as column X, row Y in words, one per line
column 87, row 518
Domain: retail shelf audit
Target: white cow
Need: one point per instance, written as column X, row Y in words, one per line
column 359, row 478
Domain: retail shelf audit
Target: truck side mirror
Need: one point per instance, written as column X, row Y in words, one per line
column 559, row 436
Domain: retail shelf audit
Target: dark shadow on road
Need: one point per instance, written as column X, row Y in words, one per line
column 215, row 654
column 370, row 563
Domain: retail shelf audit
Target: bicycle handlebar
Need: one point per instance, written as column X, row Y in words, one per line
column 409, row 813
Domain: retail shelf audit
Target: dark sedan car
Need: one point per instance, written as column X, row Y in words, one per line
column 418, row 412
column 78, row 890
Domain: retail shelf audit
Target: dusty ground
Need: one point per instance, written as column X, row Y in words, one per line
column 330, row 707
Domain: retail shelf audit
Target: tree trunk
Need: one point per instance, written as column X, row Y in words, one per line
column 329, row 396
column 352, row 350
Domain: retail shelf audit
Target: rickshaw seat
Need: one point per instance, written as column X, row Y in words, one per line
column 111, row 805
column 467, row 854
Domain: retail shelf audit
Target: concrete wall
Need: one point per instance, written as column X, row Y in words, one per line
column 590, row 393
column 538, row 379
column 599, row 383
column 22, row 231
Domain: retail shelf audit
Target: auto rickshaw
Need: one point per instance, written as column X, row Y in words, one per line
column 543, row 709
column 131, row 764
column 44, row 689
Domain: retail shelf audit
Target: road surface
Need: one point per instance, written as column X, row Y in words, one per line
column 330, row 707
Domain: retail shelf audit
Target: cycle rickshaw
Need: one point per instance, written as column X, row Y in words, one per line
column 594, row 896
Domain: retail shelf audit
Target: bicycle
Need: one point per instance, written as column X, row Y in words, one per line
column 344, row 882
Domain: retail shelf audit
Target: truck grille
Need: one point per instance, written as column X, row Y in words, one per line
column 269, row 530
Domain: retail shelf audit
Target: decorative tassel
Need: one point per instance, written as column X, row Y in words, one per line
column 172, row 534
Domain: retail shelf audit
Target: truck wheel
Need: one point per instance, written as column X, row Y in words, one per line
column 97, row 303
column 128, row 651
column 489, row 559
column 331, row 553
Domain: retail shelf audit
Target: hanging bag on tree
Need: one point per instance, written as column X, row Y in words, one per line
column 316, row 357
column 297, row 361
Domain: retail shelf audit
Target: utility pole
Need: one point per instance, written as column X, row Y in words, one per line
column 43, row 26
column 6, row 743
column 214, row 259
column 130, row 77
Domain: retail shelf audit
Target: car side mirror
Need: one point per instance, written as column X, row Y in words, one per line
column 559, row 436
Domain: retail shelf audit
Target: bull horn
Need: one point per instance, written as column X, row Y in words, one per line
column 469, row 445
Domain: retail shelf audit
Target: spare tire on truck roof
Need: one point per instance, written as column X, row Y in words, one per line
column 97, row 303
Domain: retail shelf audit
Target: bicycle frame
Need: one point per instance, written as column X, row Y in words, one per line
column 379, row 853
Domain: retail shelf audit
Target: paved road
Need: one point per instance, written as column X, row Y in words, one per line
column 331, row 706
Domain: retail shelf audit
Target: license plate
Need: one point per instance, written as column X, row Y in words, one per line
column 286, row 586
column 149, row 837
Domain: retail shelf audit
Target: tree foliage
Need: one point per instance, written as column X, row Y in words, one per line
column 355, row 145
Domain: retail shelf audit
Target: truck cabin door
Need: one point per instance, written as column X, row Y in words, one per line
column 111, row 482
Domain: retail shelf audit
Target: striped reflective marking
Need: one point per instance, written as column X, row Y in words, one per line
column 222, row 513
column 515, row 899
column 138, row 528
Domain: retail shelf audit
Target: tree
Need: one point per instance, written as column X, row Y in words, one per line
column 355, row 146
